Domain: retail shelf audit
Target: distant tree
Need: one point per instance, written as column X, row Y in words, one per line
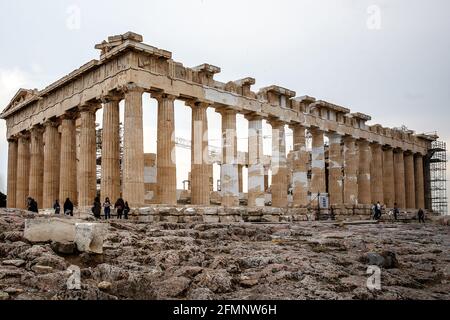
column 2, row 200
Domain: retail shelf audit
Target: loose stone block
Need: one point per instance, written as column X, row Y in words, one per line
column 89, row 237
column 51, row 229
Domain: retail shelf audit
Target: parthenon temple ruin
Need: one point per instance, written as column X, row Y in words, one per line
column 348, row 166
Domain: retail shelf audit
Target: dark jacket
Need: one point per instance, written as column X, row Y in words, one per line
column 119, row 205
column 68, row 206
column 97, row 209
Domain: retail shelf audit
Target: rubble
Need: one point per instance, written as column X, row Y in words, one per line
column 307, row 260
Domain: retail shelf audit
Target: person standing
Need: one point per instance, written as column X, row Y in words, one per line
column 396, row 211
column 107, row 208
column 421, row 215
column 97, row 208
column 68, row 208
column 126, row 211
column 120, row 207
column 57, row 207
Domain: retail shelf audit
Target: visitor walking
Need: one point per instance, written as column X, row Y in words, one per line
column 68, row 208
column 32, row 205
column 120, row 207
column 97, row 208
column 57, row 207
column 421, row 215
column 126, row 211
column 396, row 211
column 374, row 211
column 107, row 208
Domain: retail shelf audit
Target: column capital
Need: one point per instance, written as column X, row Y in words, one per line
column 349, row 139
column 226, row 111
column 253, row 116
column 296, row 125
column 387, row 147
column 363, row 142
column 12, row 139
column 37, row 129
column 112, row 96
column 159, row 96
column 69, row 115
column 89, row 107
column 276, row 123
column 24, row 135
column 197, row 104
column 131, row 87
column 51, row 123
column 398, row 150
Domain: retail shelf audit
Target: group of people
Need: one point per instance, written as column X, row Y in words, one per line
column 377, row 210
column 32, row 205
column 67, row 207
column 122, row 208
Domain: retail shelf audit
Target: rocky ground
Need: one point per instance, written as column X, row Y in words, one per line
column 312, row 260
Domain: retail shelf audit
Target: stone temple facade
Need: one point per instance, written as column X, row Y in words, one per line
column 361, row 165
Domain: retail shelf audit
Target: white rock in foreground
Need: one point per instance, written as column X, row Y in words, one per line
column 89, row 237
column 50, row 229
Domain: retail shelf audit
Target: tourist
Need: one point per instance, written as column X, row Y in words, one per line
column 97, row 208
column 126, row 211
column 120, row 207
column 107, row 208
column 57, row 207
column 396, row 211
column 374, row 211
column 68, row 208
column 421, row 215
column 32, row 205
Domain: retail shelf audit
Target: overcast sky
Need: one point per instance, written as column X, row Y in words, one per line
column 389, row 59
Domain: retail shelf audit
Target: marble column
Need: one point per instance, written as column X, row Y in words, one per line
column 410, row 187
column 110, row 178
column 300, row 167
column 256, row 177
column 37, row 164
column 399, row 178
column 351, row 165
column 241, row 178
column 318, row 184
column 335, row 177
column 88, row 162
column 23, row 171
column 419, row 181
column 166, row 160
column 279, row 165
column 52, row 146
column 68, row 160
column 133, row 149
column 12, row 173
column 229, row 175
column 266, row 179
column 376, row 173
column 200, row 193
column 388, row 177
column 364, row 191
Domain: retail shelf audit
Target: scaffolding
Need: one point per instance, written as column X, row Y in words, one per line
column 437, row 159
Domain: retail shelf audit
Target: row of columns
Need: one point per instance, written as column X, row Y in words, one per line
column 43, row 164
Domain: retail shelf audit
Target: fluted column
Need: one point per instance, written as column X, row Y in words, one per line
column 388, row 177
column 200, row 193
column 279, row 165
column 12, row 173
column 419, row 182
column 110, row 178
column 133, row 149
column 410, row 187
column 399, row 176
column 256, row 190
column 87, row 174
column 166, row 161
column 318, row 184
column 376, row 174
column 300, row 167
column 240, row 178
column 68, row 162
column 51, row 164
column 37, row 164
column 335, row 177
column 23, row 171
column 364, row 191
column 351, row 164
column 229, row 176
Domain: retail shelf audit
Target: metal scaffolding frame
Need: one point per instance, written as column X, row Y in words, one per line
column 437, row 162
